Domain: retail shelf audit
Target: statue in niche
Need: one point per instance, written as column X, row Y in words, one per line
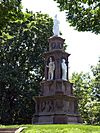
column 64, row 69
column 43, row 106
column 56, row 26
column 47, row 106
column 50, row 105
column 51, row 67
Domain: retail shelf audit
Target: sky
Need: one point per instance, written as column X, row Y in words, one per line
column 84, row 47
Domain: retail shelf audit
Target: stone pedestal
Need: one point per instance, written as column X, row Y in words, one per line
column 56, row 103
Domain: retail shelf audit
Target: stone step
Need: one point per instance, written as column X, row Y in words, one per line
column 11, row 130
column 8, row 130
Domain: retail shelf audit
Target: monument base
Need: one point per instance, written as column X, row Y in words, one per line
column 57, row 109
column 57, row 119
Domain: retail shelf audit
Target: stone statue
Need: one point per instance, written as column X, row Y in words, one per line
column 56, row 26
column 51, row 67
column 64, row 69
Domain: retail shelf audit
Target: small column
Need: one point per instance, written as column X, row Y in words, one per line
column 58, row 69
column 46, row 73
column 67, row 70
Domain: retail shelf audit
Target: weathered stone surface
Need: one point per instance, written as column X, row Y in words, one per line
column 53, row 87
column 56, row 103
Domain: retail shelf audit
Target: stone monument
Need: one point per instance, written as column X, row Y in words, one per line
column 56, row 103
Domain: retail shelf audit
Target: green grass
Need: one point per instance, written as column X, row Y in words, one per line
column 58, row 128
column 11, row 126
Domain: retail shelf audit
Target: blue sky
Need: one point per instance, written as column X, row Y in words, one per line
column 84, row 47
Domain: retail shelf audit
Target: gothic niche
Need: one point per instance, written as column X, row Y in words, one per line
column 47, row 106
column 63, row 69
column 55, row 45
column 50, row 69
column 59, row 104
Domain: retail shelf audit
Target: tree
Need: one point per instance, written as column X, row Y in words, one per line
column 21, row 65
column 87, row 90
column 96, row 81
column 82, row 90
column 96, row 93
column 82, row 14
column 10, row 10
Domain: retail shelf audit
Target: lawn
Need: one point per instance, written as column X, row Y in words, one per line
column 58, row 128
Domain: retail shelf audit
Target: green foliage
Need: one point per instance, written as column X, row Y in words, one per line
column 21, row 65
column 10, row 10
column 96, row 81
column 87, row 90
column 82, row 90
column 93, row 110
column 84, row 15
